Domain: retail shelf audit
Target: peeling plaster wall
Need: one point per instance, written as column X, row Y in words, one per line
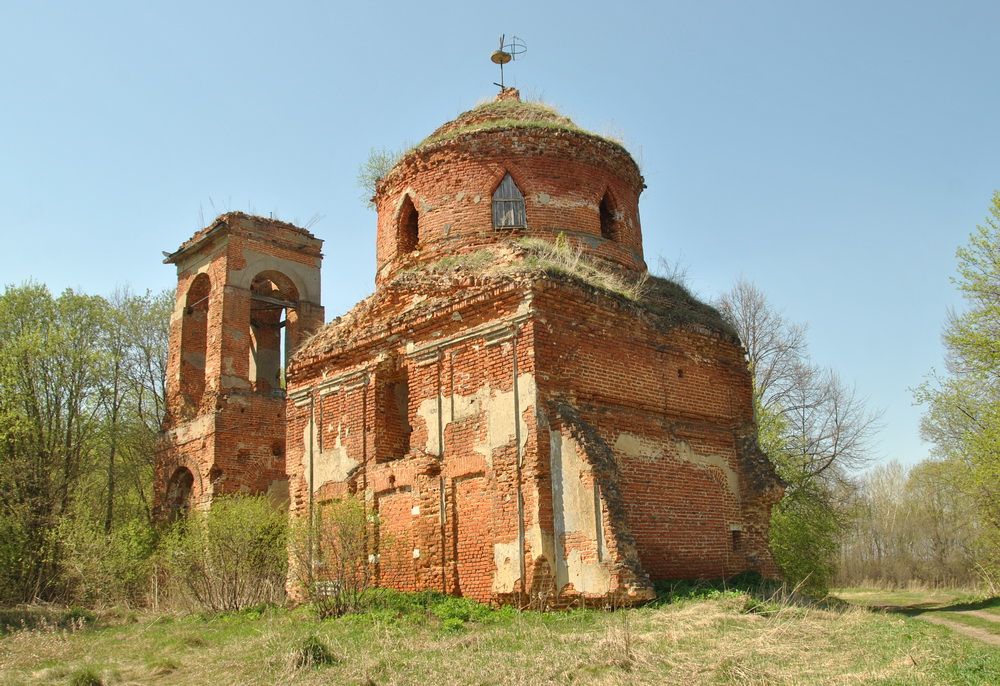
column 466, row 369
column 332, row 463
column 674, row 408
column 640, row 448
column 494, row 406
column 575, row 519
column 508, row 568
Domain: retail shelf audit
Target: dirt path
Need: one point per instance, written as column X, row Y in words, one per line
column 964, row 629
column 982, row 614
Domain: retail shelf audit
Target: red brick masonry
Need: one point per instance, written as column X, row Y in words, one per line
column 523, row 433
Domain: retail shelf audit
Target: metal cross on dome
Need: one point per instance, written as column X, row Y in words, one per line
column 507, row 51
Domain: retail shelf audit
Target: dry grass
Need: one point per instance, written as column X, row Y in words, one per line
column 537, row 255
column 560, row 257
column 713, row 641
column 507, row 114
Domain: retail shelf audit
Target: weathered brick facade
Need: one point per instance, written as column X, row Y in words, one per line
column 247, row 293
column 522, row 432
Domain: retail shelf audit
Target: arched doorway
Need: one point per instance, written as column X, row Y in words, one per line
column 178, row 497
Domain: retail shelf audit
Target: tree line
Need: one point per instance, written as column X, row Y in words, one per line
column 81, row 401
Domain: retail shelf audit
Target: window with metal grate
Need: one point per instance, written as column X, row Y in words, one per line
column 508, row 205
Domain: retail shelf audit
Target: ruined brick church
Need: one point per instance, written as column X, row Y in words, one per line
column 529, row 413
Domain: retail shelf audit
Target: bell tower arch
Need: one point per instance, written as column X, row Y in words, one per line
column 248, row 294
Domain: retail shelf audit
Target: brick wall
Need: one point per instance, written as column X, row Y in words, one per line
column 626, row 470
column 223, row 423
column 451, row 185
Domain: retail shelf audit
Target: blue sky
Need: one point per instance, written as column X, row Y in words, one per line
column 835, row 153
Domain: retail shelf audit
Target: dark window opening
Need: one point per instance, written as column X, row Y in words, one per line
column 408, row 232
column 609, row 218
column 194, row 341
column 272, row 331
column 737, row 539
column 508, row 206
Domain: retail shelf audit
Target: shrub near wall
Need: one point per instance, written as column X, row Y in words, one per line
column 231, row 557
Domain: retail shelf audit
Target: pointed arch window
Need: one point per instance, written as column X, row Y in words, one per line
column 508, row 205
column 407, row 228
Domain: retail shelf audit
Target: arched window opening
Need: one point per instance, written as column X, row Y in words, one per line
column 407, row 230
column 178, row 496
column 508, row 206
column 273, row 331
column 609, row 218
column 194, row 340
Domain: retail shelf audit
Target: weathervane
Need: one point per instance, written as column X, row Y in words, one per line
column 507, row 52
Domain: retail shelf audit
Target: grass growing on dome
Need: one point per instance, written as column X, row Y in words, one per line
column 509, row 114
column 540, row 255
column 562, row 258
column 668, row 301
column 476, row 261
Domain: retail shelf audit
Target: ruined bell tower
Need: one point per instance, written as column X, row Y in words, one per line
column 248, row 294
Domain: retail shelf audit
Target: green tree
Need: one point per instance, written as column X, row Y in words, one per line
column 962, row 418
column 81, row 397
column 51, row 373
column 815, row 430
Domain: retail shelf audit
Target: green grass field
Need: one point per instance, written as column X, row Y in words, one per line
column 906, row 598
column 963, row 612
column 707, row 637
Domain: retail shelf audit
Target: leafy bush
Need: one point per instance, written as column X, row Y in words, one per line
column 333, row 563
column 461, row 609
column 232, row 557
column 111, row 568
column 805, row 531
column 374, row 169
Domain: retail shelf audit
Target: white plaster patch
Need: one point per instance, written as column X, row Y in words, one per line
column 577, row 500
column 498, row 408
column 573, row 511
column 197, row 428
column 587, row 577
column 330, row 464
column 638, row 447
column 505, row 557
column 234, row 382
